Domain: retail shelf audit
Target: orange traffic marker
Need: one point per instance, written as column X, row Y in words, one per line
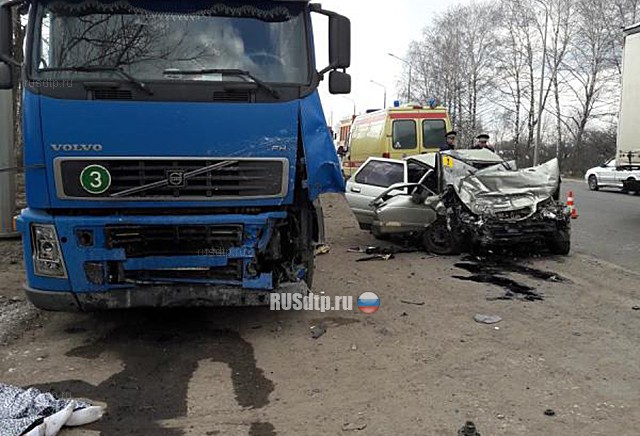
column 571, row 205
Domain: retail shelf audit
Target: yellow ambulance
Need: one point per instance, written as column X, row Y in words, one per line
column 395, row 133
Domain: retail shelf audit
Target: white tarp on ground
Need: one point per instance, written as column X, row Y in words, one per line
column 29, row 412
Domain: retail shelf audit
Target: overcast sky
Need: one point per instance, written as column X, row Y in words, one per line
column 377, row 28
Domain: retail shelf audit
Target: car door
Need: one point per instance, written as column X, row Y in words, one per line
column 374, row 177
column 606, row 174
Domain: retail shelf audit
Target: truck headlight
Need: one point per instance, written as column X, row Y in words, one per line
column 47, row 255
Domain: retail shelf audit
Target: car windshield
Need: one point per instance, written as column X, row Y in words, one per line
column 159, row 40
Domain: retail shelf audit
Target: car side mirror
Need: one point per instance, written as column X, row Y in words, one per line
column 339, row 83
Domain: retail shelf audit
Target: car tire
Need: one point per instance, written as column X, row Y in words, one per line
column 593, row 183
column 560, row 243
column 438, row 239
column 379, row 235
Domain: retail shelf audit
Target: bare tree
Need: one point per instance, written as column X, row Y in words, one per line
column 18, row 54
column 588, row 68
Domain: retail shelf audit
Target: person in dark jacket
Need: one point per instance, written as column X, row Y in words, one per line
column 450, row 140
column 482, row 141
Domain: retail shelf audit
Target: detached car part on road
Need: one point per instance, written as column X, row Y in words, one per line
column 457, row 199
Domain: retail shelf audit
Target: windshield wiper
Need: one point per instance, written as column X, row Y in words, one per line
column 99, row 68
column 228, row 72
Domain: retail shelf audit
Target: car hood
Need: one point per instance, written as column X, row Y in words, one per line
column 498, row 189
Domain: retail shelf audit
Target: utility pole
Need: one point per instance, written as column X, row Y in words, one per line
column 536, row 149
column 410, row 71
column 352, row 101
column 385, row 92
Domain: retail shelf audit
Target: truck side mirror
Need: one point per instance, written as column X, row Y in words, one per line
column 339, row 82
column 339, row 46
column 339, row 41
column 6, row 62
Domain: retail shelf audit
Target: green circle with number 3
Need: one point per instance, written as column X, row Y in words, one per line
column 95, row 179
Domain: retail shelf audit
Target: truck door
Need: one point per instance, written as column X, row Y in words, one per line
column 404, row 138
column 371, row 180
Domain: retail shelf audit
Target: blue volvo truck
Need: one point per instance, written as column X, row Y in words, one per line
column 175, row 150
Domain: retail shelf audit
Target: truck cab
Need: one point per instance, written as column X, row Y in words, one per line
column 174, row 151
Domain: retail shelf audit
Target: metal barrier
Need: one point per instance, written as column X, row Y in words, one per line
column 7, row 160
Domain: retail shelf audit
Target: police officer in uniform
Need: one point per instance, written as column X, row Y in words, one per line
column 482, row 141
column 450, row 140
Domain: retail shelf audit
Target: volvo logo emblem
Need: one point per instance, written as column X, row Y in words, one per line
column 76, row 147
column 176, row 178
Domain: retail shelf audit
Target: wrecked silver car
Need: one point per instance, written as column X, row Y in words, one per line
column 462, row 199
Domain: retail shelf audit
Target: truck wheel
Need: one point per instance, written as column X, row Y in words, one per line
column 438, row 239
column 593, row 183
column 560, row 243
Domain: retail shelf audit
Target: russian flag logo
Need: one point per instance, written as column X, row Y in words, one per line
column 368, row 303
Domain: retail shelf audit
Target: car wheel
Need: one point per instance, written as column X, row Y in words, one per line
column 593, row 183
column 379, row 235
column 628, row 191
column 438, row 239
column 560, row 243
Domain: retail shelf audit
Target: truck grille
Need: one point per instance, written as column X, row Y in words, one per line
column 229, row 273
column 177, row 179
column 144, row 241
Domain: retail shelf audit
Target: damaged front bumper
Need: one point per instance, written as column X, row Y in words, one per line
column 158, row 296
column 511, row 229
column 120, row 261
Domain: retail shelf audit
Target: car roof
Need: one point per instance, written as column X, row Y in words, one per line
column 481, row 156
column 426, row 158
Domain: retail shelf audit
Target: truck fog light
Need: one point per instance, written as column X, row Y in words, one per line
column 94, row 272
column 47, row 257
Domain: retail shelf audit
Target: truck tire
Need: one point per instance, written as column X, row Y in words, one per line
column 560, row 243
column 593, row 183
column 438, row 239
column 307, row 245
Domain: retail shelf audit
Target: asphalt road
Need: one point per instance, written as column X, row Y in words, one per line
column 608, row 226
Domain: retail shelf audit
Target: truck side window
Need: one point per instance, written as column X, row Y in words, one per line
column 404, row 135
column 433, row 132
column 382, row 174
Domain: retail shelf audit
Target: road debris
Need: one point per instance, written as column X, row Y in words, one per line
column 550, row 412
column 413, row 303
column 383, row 257
column 30, row 412
column 636, row 307
column 322, row 249
column 317, row 331
column 353, row 427
column 487, row 319
column 381, row 250
column 469, row 429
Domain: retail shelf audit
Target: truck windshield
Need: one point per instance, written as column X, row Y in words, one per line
column 154, row 41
